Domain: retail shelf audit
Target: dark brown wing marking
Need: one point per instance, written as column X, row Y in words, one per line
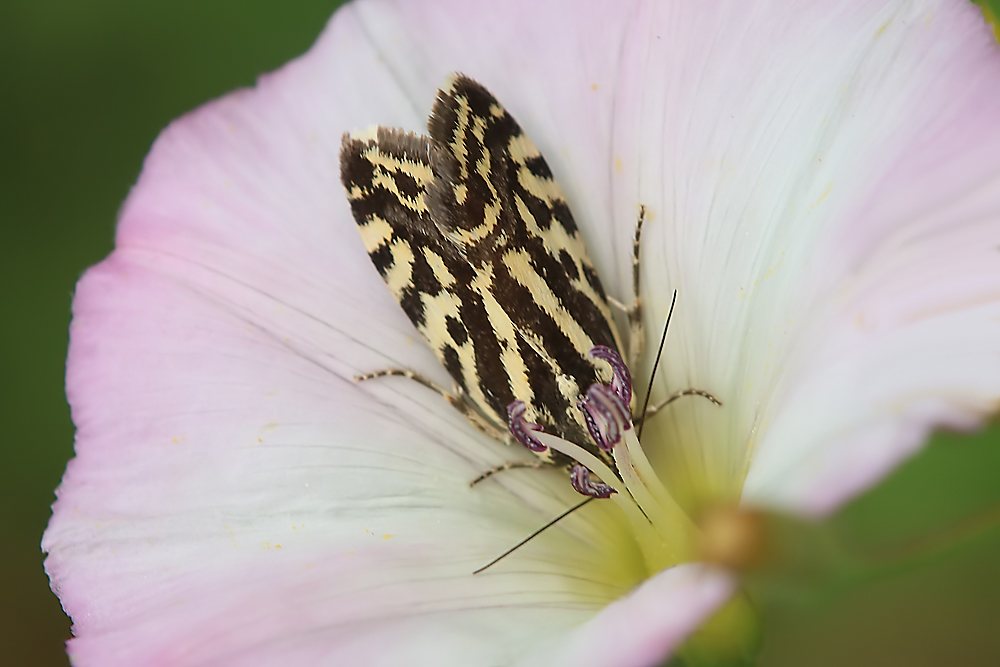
column 474, row 238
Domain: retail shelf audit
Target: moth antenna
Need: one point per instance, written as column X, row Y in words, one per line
column 652, row 376
column 534, row 535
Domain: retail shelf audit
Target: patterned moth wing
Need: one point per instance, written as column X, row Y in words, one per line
column 474, row 238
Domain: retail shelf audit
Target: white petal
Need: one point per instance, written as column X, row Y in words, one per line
column 824, row 191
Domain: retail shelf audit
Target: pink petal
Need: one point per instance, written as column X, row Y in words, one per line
column 234, row 495
column 210, row 379
column 643, row 628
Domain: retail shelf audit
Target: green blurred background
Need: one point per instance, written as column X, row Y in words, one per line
column 84, row 89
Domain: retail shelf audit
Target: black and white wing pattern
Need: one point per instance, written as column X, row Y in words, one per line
column 474, row 238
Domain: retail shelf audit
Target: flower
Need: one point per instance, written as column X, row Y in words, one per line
column 823, row 191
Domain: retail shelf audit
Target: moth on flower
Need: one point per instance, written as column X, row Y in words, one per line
column 472, row 235
column 824, row 184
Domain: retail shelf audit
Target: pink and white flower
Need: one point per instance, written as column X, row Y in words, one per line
column 823, row 183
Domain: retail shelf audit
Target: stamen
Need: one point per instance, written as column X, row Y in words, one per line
column 652, row 540
column 621, row 380
column 636, row 486
column 521, row 428
column 579, row 477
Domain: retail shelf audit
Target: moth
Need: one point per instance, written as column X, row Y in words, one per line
column 474, row 238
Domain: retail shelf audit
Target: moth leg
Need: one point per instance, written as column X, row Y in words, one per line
column 659, row 405
column 455, row 398
column 636, row 335
column 510, row 465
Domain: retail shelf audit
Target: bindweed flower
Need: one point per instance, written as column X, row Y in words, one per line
column 822, row 184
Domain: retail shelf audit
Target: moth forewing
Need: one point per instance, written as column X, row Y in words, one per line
column 472, row 235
